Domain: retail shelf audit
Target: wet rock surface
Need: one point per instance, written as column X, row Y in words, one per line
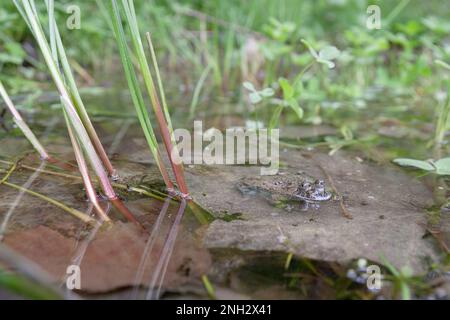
column 388, row 208
column 109, row 257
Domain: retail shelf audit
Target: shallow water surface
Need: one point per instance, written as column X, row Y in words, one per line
column 247, row 246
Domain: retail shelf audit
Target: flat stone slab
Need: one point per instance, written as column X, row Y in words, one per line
column 387, row 206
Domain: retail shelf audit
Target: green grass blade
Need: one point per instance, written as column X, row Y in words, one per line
column 67, row 99
column 136, row 94
column 198, row 89
column 22, row 125
column 59, row 55
column 163, row 118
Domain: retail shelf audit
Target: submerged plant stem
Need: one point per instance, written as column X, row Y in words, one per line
column 84, row 171
column 60, row 205
column 74, row 212
column 154, row 194
column 118, row 204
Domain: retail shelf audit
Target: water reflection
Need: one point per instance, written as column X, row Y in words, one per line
column 18, row 199
column 149, row 247
column 161, row 268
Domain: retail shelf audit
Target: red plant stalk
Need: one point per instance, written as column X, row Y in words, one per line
column 165, row 174
column 102, row 154
column 87, row 144
column 97, row 144
column 90, row 190
column 81, row 108
column 118, row 204
column 96, row 164
column 67, row 100
column 167, row 137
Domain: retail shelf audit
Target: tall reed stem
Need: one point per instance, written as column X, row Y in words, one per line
column 18, row 120
column 79, row 105
column 90, row 190
column 70, row 99
column 75, row 120
column 135, row 91
column 164, row 121
column 163, row 117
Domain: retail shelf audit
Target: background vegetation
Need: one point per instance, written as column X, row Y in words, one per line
column 265, row 63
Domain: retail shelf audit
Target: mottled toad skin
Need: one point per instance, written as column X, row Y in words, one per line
column 284, row 187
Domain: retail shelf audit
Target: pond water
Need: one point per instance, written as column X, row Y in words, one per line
column 246, row 245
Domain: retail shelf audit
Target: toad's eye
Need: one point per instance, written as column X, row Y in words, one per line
column 319, row 183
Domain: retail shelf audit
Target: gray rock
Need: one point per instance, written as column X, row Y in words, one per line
column 386, row 204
